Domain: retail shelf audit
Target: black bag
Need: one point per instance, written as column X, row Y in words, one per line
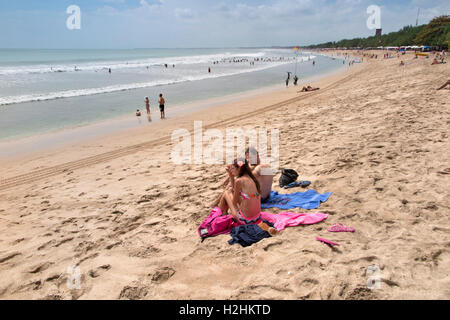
column 288, row 176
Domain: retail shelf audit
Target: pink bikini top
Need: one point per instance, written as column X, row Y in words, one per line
column 248, row 197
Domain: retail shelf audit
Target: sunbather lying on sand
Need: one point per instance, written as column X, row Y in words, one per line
column 444, row 85
column 259, row 170
column 244, row 197
column 436, row 61
column 308, row 88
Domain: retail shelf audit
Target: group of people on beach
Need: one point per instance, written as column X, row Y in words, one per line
column 162, row 103
column 249, row 183
column 439, row 58
column 289, row 77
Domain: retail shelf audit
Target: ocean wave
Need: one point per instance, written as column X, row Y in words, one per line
column 126, row 87
column 142, row 63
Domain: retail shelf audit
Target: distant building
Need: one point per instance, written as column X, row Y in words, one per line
column 378, row 32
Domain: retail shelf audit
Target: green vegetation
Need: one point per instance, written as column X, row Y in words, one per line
column 436, row 33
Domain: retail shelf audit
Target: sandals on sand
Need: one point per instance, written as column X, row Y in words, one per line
column 327, row 242
column 302, row 184
column 341, row 228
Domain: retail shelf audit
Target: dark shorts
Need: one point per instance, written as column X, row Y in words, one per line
column 265, row 199
column 161, row 107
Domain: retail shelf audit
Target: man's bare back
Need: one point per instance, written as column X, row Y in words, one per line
column 265, row 181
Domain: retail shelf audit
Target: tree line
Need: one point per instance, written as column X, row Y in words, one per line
column 436, row 33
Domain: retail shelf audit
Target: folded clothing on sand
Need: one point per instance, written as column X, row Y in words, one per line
column 247, row 235
column 306, row 200
column 216, row 223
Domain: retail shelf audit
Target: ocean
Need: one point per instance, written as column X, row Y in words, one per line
column 46, row 90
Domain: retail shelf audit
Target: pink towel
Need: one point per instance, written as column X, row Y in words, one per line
column 289, row 219
column 216, row 223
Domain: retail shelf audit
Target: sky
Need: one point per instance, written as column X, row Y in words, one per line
column 126, row 24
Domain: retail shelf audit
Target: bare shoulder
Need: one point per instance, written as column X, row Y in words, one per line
column 258, row 168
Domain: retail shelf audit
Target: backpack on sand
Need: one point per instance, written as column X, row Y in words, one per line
column 216, row 224
column 287, row 176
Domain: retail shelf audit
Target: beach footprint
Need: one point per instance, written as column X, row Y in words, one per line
column 94, row 273
column 162, row 274
column 133, row 293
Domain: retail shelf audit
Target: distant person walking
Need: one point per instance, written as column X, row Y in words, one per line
column 109, row 70
column 209, row 70
column 147, row 105
column 287, row 79
column 162, row 102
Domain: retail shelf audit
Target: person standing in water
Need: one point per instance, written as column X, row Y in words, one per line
column 147, row 105
column 162, row 102
column 287, row 79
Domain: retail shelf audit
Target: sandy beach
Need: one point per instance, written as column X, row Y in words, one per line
column 118, row 209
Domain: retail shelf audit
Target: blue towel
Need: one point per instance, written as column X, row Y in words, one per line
column 305, row 200
column 248, row 234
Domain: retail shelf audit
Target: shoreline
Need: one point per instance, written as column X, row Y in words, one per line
column 27, row 145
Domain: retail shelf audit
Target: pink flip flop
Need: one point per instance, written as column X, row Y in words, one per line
column 327, row 242
column 339, row 227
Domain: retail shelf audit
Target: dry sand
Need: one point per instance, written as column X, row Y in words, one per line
column 377, row 136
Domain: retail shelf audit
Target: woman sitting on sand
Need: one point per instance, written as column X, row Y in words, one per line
column 244, row 198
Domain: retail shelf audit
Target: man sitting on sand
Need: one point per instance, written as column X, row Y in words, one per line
column 308, row 88
column 265, row 181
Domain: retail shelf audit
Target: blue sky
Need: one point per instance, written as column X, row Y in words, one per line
column 200, row 23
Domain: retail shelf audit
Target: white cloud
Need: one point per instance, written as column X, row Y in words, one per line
column 151, row 4
column 185, row 13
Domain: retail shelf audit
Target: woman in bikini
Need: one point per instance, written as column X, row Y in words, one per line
column 244, row 197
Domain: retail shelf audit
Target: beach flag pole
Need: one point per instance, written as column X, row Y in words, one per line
column 296, row 54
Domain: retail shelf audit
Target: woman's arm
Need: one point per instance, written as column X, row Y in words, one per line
column 237, row 192
column 230, row 178
column 233, row 199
